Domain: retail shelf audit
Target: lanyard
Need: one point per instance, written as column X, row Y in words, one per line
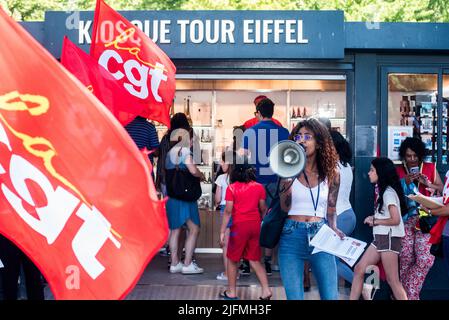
column 315, row 204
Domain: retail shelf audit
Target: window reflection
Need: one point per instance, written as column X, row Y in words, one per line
column 445, row 118
column 412, row 111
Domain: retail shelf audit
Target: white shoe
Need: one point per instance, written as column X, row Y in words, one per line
column 222, row 276
column 176, row 269
column 192, row 268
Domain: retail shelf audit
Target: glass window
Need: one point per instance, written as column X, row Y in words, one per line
column 216, row 106
column 324, row 98
column 445, row 155
column 412, row 111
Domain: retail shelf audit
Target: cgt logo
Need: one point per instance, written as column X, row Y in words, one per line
column 136, row 85
column 59, row 204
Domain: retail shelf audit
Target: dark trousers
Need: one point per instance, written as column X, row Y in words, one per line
column 12, row 259
column 446, row 251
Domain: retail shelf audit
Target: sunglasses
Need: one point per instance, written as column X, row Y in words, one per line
column 305, row 137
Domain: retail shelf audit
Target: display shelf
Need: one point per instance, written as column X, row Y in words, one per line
column 331, row 119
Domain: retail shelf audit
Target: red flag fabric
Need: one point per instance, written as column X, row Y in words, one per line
column 135, row 61
column 101, row 83
column 76, row 195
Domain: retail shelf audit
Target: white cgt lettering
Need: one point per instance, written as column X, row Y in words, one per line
column 4, row 139
column 104, row 60
column 91, row 236
column 137, row 86
column 134, row 82
column 60, row 203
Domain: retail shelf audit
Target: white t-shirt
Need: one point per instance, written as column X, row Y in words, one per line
column 344, row 191
column 223, row 182
column 390, row 197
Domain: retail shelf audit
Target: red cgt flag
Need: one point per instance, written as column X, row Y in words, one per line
column 101, row 83
column 76, row 194
column 135, row 61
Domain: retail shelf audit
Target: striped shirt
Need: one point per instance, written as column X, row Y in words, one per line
column 143, row 133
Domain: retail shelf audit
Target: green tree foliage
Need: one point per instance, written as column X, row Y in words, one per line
column 355, row 10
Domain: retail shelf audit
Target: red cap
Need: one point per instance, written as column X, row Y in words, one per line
column 258, row 99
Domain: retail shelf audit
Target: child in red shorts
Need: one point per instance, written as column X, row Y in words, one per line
column 245, row 201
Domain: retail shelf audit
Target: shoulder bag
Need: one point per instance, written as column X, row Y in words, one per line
column 181, row 184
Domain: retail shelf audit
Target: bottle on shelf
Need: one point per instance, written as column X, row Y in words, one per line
column 413, row 107
column 298, row 112
column 304, row 113
column 187, row 110
column 293, row 113
column 202, row 136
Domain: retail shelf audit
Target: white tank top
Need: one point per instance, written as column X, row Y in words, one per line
column 302, row 200
column 344, row 191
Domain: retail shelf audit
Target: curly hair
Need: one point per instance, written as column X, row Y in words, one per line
column 414, row 144
column 326, row 156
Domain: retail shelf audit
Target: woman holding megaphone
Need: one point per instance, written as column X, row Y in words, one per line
column 310, row 200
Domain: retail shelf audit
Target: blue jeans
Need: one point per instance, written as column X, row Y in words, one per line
column 294, row 249
column 346, row 223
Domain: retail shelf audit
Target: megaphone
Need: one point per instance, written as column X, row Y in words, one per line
column 287, row 159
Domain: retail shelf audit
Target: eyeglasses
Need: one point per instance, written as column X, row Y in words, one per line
column 255, row 113
column 305, row 137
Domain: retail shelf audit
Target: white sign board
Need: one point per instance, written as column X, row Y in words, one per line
column 395, row 137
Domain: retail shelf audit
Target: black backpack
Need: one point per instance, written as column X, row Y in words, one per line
column 181, row 184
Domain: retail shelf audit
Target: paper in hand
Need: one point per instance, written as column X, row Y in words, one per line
column 347, row 249
column 428, row 202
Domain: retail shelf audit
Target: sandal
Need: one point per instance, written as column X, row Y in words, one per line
column 265, row 298
column 225, row 296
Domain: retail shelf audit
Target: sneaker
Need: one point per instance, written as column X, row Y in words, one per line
column 246, row 270
column 222, row 276
column 165, row 252
column 176, row 269
column 192, row 268
column 268, row 268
